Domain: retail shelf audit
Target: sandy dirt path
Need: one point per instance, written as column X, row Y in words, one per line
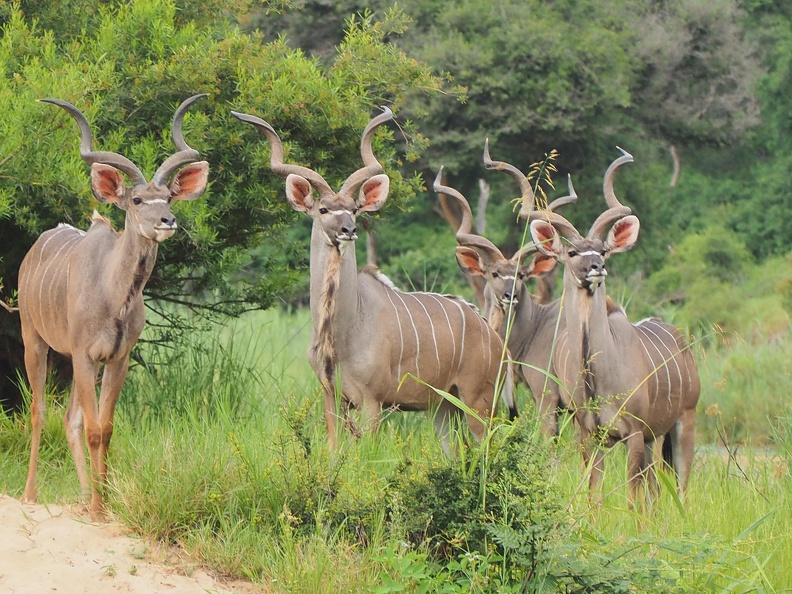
column 47, row 549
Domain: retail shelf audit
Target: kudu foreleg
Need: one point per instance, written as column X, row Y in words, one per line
column 75, row 428
column 636, row 467
column 36, row 367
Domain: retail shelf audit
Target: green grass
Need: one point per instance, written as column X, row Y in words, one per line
column 223, row 449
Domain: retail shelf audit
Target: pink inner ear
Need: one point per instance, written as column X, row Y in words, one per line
column 190, row 182
column 544, row 235
column 106, row 182
column 469, row 261
column 299, row 192
column 542, row 264
column 374, row 193
column 624, row 233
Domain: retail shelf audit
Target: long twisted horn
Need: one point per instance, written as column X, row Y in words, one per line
column 527, row 197
column 185, row 154
column 276, row 156
column 464, row 236
column 616, row 209
column 86, row 140
column 566, row 228
column 371, row 166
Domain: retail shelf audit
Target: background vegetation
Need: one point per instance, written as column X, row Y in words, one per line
column 697, row 90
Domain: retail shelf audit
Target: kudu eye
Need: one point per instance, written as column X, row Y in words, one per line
column 494, row 274
column 136, row 200
column 323, row 210
column 571, row 253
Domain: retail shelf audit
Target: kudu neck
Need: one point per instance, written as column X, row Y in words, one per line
column 333, row 278
column 130, row 262
column 586, row 315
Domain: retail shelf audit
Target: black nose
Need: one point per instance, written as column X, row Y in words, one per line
column 168, row 220
column 597, row 266
column 508, row 295
column 347, row 231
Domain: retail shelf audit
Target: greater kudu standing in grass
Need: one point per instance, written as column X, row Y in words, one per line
column 80, row 294
column 533, row 326
column 630, row 383
column 367, row 335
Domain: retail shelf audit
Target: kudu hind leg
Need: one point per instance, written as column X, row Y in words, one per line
column 683, row 436
column 36, row 368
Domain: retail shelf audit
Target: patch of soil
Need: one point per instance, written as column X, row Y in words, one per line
column 56, row 549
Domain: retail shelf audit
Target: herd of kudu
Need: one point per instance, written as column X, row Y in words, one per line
column 372, row 345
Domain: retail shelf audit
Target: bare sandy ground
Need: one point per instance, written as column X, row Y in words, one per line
column 48, row 549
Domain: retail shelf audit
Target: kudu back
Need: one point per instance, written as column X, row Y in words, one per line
column 534, row 327
column 80, row 293
column 631, row 383
column 368, row 337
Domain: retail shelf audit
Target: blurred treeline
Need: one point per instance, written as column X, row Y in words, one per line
column 697, row 91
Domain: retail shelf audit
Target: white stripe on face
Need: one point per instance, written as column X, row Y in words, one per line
column 155, row 201
column 590, row 253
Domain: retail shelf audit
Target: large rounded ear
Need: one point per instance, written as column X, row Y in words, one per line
column 469, row 261
column 546, row 238
column 540, row 265
column 299, row 193
column 107, row 183
column 373, row 193
column 190, row 182
column 623, row 235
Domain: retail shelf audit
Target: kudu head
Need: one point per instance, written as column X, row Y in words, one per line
column 147, row 204
column 478, row 256
column 584, row 257
column 334, row 212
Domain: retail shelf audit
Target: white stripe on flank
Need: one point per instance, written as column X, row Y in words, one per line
column 484, row 345
column 641, row 337
column 401, row 337
column 52, row 260
column 434, row 336
column 672, row 354
column 462, row 341
column 448, row 321
column 61, row 227
column 415, row 332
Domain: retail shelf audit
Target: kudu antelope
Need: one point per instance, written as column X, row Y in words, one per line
column 534, row 326
column 630, row 383
column 367, row 335
column 80, row 294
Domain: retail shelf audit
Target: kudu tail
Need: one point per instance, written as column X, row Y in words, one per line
column 668, row 451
